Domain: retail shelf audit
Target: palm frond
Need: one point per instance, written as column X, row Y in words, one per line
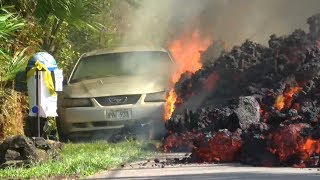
column 12, row 65
column 58, row 8
column 74, row 12
column 8, row 24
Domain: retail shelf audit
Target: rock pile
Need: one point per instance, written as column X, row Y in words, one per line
column 22, row 151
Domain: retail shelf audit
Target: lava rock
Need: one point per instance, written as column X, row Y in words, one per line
column 246, row 111
column 20, row 144
column 12, row 155
column 20, row 150
column 255, row 153
column 40, row 142
column 156, row 160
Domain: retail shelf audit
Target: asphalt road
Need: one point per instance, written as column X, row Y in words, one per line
column 150, row 170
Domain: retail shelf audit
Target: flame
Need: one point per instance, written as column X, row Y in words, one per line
column 279, row 104
column 186, row 52
column 311, row 146
column 285, row 99
column 169, row 107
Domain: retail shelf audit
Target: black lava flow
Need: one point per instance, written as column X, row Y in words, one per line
column 236, row 92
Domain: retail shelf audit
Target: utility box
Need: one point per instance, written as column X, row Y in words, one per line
column 43, row 80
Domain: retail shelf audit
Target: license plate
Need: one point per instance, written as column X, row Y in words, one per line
column 119, row 114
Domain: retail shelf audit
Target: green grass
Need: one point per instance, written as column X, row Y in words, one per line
column 81, row 159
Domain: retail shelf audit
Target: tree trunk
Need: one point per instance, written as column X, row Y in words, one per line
column 48, row 44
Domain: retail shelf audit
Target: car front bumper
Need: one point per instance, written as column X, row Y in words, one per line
column 85, row 119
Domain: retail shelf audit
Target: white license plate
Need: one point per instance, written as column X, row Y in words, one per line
column 118, row 114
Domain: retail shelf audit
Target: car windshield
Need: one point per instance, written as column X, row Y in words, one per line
column 122, row 64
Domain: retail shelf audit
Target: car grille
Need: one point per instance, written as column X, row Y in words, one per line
column 109, row 123
column 100, row 124
column 118, row 100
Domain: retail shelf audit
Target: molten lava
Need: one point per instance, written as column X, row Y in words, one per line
column 285, row 99
column 174, row 142
column 287, row 142
column 224, row 146
column 311, row 146
column 186, row 52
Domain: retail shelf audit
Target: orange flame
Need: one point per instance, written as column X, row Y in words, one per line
column 310, row 147
column 285, row 99
column 169, row 107
column 186, row 52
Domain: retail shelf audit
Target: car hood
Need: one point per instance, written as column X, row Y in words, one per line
column 111, row 86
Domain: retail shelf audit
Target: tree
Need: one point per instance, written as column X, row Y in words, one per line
column 54, row 14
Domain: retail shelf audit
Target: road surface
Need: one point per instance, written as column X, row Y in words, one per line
column 151, row 170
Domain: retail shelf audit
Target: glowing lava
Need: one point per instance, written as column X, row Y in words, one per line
column 285, row 99
column 311, row 146
column 186, row 52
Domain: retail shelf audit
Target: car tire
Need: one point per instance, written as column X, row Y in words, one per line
column 63, row 137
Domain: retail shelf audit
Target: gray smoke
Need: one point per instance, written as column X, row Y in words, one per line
column 157, row 22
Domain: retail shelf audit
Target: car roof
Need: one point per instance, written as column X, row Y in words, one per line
column 123, row 49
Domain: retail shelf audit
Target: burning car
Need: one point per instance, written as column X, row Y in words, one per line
column 109, row 89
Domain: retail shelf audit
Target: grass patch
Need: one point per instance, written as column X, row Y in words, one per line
column 81, row 159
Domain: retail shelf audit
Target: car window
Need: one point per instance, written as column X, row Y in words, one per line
column 122, row 64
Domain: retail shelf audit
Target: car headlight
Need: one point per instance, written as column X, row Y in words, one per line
column 156, row 97
column 76, row 102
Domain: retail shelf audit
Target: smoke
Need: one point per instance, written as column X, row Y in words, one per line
column 155, row 22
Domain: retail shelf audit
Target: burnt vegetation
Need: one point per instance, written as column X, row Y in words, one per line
column 253, row 104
